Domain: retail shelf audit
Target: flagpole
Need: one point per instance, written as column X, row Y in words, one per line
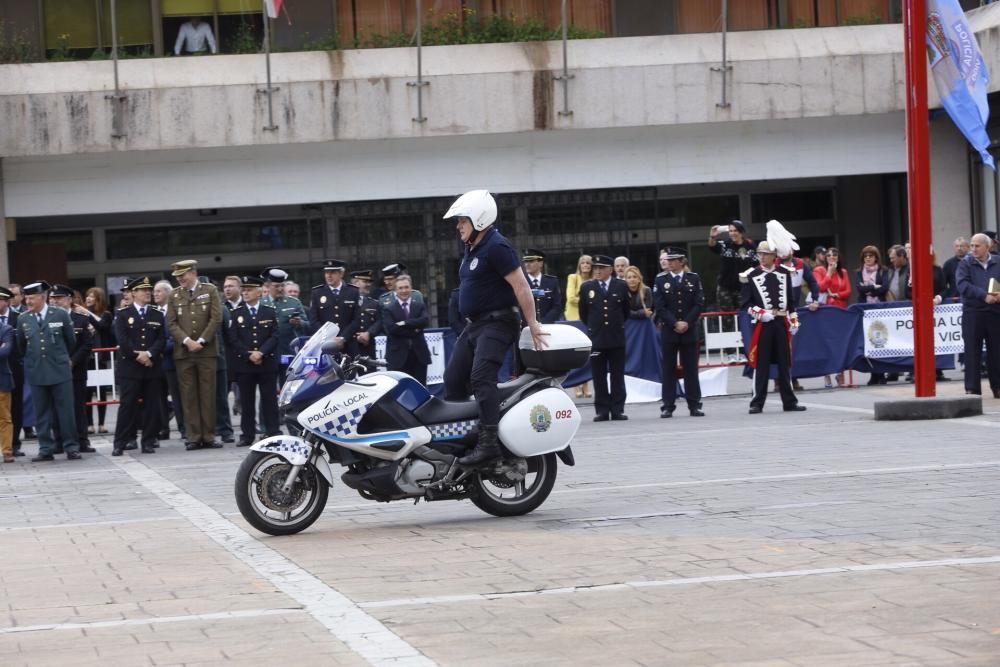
column 267, row 55
column 919, row 198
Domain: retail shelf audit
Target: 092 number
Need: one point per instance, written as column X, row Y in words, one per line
column 564, row 414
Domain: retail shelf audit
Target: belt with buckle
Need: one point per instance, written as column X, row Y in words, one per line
column 502, row 313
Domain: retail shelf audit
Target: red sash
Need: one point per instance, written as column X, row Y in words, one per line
column 755, row 338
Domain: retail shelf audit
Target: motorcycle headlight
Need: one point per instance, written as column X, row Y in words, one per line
column 288, row 391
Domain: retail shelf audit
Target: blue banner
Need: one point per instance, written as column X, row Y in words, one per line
column 959, row 72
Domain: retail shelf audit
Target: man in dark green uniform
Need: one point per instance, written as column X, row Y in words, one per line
column 194, row 315
column 61, row 296
column 291, row 314
column 45, row 340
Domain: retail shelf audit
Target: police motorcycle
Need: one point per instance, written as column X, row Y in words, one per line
column 398, row 442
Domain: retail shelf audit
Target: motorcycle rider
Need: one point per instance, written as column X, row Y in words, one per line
column 491, row 287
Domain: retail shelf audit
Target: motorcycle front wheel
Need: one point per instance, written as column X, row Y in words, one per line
column 500, row 496
column 269, row 509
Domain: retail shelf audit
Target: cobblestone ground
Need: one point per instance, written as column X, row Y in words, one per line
column 817, row 538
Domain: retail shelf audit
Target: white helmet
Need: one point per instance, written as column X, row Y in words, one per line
column 476, row 205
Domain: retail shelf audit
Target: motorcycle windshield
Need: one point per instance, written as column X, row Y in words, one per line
column 312, row 357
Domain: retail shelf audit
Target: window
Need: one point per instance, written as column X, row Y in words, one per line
column 79, row 245
column 697, row 211
column 205, row 239
column 792, row 206
column 392, row 228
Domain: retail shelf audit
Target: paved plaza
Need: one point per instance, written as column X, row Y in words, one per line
column 818, row 538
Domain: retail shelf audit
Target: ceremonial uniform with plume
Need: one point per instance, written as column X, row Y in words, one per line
column 767, row 297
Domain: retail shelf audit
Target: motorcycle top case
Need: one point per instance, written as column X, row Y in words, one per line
column 568, row 349
column 543, row 422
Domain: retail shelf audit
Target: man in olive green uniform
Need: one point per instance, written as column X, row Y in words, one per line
column 45, row 340
column 194, row 315
column 292, row 318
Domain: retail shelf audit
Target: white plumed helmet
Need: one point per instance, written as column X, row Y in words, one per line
column 476, row 205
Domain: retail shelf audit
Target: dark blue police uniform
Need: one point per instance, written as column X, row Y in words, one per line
column 980, row 321
column 604, row 311
column 84, row 332
column 487, row 301
column 679, row 298
column 139, row 329
column 255, row 329
column 338, row 305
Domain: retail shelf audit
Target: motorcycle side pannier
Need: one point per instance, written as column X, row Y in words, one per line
column 568, row 349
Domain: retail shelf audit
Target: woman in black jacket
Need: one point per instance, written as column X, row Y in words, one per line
column 95, row 306
column 871, row 282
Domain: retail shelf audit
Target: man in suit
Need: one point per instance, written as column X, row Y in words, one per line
column 369, row 314
column 678, row 300
column 767, row 298
column 9, row 317
column 142, row 338
column 544, row 288
column 45, row 340
column 334, row 301
column 604, row 307
column 194, row 315
column 61, row 296
column 232, row 300
column 254, row 336
column 980, row 313
column 404, row 321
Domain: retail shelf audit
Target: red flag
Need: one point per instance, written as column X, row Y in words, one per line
column 273, row 7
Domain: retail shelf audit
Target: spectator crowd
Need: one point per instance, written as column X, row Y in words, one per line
column 180, row 349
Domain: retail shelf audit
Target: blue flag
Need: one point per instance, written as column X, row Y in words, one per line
column 959, row 72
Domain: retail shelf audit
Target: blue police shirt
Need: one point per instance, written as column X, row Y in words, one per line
column 482, row 287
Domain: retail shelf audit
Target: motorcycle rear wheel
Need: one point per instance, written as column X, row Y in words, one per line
column 259, row 498
column 519, row 498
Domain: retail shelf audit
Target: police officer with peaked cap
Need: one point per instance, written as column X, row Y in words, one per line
column 45, row 339
column 254, row 336
column 604, row 307
column 292, row 318
column 9, row 317
column 369, row 315
column 61, row 296
column 491, row 288
column 389, row 274
column 141, row 332
column 678, row 299
column 545, row 288
column 334, row 301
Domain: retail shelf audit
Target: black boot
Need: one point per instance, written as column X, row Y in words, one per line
column 487, row 448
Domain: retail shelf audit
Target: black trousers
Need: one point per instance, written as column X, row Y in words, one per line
column 688, row 351
column 175, row 399
column 475, row 363
column 267, row 384
column 772, row 348
column 415, row 368
column 80, row 409
column 609, row 361
column 979, row 326
column 133, row 415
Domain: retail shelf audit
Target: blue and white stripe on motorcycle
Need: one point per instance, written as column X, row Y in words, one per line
column 344, row 425
column 452, row 430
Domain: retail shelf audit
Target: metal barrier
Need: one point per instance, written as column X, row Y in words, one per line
column 103, row 377
column 723, row 342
